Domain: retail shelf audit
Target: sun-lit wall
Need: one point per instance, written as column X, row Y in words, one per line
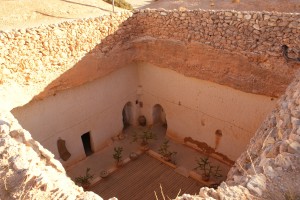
column 95, row 107
column 197, row 109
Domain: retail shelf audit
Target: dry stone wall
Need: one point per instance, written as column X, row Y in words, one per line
column 34, row 54
column 243, row 32
column 34, row 57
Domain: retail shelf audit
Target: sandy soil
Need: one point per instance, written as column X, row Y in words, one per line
column 15, row 14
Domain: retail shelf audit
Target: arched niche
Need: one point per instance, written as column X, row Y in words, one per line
column 159, row 115
column 127, row 115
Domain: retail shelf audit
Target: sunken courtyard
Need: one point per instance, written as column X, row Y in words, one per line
column 151, row 104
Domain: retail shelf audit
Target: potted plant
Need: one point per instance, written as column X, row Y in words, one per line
column 133, row 156
column 208, row 170
column 118, row 156
column 166, row 154
column 142, row 120
column 84, row 181
column 144, row 137
column 103, row 173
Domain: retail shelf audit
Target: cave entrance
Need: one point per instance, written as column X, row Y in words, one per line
column 86, row 141
column 127, row 115
column 159, row 116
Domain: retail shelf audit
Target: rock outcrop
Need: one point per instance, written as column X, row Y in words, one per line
column 28, row 171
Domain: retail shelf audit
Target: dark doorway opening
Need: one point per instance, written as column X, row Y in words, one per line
column 127, row 115
column 86, row 141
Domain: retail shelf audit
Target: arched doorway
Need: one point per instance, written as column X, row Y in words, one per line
column 127, row 115
column 159, row 115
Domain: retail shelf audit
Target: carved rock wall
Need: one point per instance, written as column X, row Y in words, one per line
column 238, row 49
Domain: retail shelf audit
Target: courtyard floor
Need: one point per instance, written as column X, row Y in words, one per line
column 144, row 175
column 140, row 178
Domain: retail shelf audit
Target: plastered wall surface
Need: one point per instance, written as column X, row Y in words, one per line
column 196, row 108
column 95, row 107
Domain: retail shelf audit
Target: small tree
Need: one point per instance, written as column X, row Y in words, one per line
column 118, row 155
column 144, row 137
column 217, row 172
column 207, row 169
column 164, row 151
column 84, row 181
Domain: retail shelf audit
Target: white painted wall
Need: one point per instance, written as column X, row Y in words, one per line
column 196, row 108
column 96, row 107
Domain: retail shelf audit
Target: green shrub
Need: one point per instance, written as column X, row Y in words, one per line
column 121, row 4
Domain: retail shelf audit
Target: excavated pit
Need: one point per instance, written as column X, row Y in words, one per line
column 212, row 95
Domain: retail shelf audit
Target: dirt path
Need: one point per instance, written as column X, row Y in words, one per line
column 15, row 14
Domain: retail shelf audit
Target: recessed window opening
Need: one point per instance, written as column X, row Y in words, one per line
column 86, row 141
column 218, row 132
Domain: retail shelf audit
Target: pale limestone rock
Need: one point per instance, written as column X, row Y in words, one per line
column 19, row 163
column 294, row 137
column 47, row 154
column 294, row 147
column 57, row 165
column 298, row 131
column 283, row 160
column 295, row 122
column 229, row 14
column 247, row 16
column 257, row 184
column 269, row 171
column 283, row 146
column 189, row 197
column 256, row 26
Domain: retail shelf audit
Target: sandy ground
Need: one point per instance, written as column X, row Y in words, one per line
column 103, row 160
column 15, row 14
